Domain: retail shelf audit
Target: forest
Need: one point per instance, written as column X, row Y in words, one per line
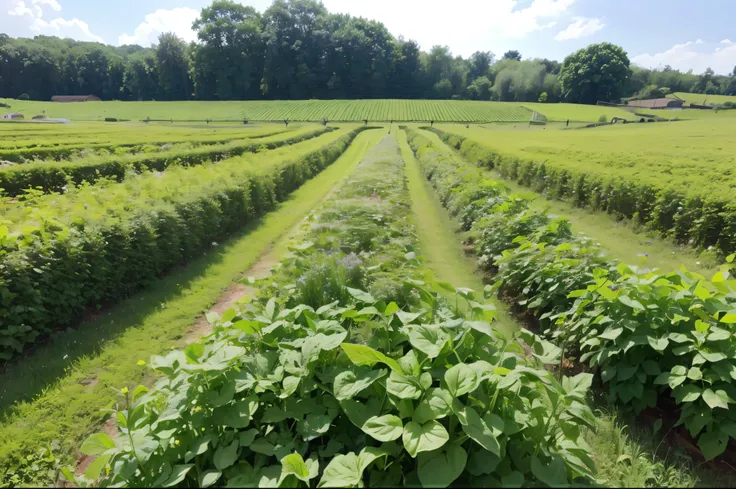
column 296, row 49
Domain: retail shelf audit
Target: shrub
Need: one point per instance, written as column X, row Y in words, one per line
column 51, row 276
column 542, row 97
column 603, row 118
column 23, row 96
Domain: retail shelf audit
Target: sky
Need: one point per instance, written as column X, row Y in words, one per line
column 655, row 33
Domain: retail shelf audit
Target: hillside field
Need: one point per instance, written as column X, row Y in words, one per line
column 703, row 99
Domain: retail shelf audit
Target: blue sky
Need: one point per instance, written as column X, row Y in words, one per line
column 654, row 32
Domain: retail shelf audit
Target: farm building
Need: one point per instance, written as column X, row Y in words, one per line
column 657, row 103
column 75, row 98
column 13, row 116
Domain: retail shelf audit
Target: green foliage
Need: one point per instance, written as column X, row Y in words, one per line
column 597, row 72
column 357, row 391
column 542, row 97
column 663, row 198
column 649, row 335
column 58, row 176
column 290, row 400
column 54, row 271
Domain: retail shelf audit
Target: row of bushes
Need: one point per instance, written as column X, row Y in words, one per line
column 687, row 218
column 327, row 385
column 54, row 176
column 50, row 282
column 44, row 150
column 653, row 338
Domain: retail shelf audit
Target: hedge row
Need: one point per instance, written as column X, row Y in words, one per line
column 63, row 151
column 654, row 339
column 687, row 218
column 51, row 281
column 54, row 176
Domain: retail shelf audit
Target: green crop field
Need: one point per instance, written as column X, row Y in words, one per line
column 703, row 99
column 219, row 304
column 292, row 110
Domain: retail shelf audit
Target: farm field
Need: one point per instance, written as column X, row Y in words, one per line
column 333, row 110
column 676, row 177
column 292, row 110
column 383, row 311
column 702, row 99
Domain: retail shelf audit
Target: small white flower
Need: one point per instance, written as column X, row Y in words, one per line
column 697, row 263
column 214, row 243
column 65, row 357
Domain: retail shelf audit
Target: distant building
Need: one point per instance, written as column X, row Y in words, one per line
column 75, row 98
column 657, row 103
column 15, row 115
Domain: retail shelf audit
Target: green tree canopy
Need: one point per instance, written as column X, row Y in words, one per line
column 597, row 72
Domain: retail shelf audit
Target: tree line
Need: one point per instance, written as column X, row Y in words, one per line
column 297, row 49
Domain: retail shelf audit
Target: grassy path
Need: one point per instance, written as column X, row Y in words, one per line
column 440, row 245
column 57, row 392
column 618, row 238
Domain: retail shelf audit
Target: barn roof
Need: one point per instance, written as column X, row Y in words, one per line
column 73, row 98
column 653, row 103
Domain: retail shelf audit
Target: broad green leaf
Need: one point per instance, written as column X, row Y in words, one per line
column 717, row 399
column 97, row 444
column 435, row 405
column 209, row 477
column 694, row 373
column 686, row 393
column 384, row 428
column 263, row 446
column 348, row 384
column 482, row 429
column 178, row 474
column 659, row 344
column 290, row 385
column 359, row 412
column 294, row 464
column 712, row 444
column 552, row 473
column 390, row 309
column 424, row 438
column 612, row 334
column 632, row 303
column 246, row 437
column 95, row 468
column 428, row 339
column 440, row 468
column 362, row 355
column 403, row 387
column 368, row 455
column 314, row 425
column 461, row 379
column 225, row 455
column 728, row 318
column 342, row 471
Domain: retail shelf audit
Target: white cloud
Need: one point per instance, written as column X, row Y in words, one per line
column 699, row 41
column 23, row 20
column 581, row 27
column 177, row 20
column 466, row 26
column 689, row 57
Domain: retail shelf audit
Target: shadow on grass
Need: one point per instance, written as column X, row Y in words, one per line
column 38, row 370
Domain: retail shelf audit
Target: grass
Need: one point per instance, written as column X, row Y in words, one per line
column 696, row 156
column 58, row 392
column 293, row 110
column 440, row 245
column 620, row 239
column 578, row 112
column 702, row 99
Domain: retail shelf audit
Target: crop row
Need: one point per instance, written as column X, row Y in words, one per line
column 653, row 338
column 104, row 244
column 684, row 213
column 386, row 110
column 56, row 176
column 318, row 382
column 37, row 149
